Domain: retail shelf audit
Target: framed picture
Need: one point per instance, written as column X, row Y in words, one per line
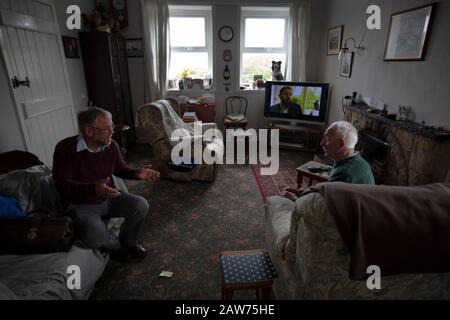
column 408, row 34
column 346, row 64
column 71, row 47
column 134, row 48
column 334, row 41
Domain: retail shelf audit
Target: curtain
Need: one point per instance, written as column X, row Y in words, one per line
column 298, row 46
column 155, row 29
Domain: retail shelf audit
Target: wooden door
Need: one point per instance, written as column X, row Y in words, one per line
column 32, row 50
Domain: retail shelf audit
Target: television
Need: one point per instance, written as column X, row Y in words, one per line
column 303, row 102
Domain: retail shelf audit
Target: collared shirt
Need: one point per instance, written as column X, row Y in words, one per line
column 82, row 145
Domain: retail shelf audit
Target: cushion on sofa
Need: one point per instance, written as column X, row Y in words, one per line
column 17, row 160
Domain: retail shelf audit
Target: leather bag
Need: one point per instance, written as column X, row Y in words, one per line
column 36, row 235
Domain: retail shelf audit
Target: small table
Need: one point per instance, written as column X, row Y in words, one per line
column 304, row 172
column 247, row 269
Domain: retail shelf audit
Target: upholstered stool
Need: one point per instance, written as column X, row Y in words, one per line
column 247, row 269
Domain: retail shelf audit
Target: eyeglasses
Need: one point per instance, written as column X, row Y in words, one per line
column 113, row 128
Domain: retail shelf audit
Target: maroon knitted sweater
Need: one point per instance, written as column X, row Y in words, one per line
column 75, row 172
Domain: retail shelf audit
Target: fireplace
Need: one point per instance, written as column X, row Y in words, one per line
column 375, row 151
column 400, row 152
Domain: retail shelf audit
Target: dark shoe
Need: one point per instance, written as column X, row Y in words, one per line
column 137, row 251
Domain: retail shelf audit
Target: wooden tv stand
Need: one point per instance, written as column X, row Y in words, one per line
column 298, row 137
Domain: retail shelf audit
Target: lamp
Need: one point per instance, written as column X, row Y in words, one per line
column 345, row 48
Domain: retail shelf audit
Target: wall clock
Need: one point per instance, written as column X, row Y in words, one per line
column 226, row 33
column 119, row 9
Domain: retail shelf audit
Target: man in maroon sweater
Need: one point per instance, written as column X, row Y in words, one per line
column 83, row 166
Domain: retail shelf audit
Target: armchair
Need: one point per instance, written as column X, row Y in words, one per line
column 152, row 120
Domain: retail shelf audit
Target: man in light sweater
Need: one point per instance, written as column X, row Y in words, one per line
column 338, row 144
column 83, row 166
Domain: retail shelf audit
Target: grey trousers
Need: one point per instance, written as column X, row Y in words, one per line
column 90, row 225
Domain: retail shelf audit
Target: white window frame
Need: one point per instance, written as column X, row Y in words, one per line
column 264, row 13
column 193, row 11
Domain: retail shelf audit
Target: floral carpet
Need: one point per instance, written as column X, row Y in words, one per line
column 188, row 225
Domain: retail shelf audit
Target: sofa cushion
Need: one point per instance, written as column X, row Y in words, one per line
column 16, row 160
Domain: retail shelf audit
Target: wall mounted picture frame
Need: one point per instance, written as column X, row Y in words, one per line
column 346, row 64
column 71, row 47
column 334, row 40
column 409, row 33
column 134, row 47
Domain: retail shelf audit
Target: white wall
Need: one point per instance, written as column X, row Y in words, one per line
column 10, row 132
column 423, row 85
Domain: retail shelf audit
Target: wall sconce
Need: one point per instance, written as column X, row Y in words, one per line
column 359, row 49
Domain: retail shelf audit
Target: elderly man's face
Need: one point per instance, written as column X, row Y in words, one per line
column 286, row 96
column 331, row 145
column 102, row 131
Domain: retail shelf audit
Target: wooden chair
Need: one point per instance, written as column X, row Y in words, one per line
column 236, row 110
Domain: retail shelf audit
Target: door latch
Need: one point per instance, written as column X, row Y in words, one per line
column 16, row 83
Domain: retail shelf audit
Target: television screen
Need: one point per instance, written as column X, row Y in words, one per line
column 296, row 100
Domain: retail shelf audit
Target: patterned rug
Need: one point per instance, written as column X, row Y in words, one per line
column 274, row 185
column 188, row 225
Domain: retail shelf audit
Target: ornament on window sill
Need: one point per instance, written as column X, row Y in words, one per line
column 226, row 73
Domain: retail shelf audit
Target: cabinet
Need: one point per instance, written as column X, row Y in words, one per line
column 297, row 137
column 106, row 71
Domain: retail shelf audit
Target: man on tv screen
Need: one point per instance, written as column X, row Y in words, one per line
column 286, row 105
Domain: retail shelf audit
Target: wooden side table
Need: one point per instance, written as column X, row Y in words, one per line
column 247, row 269
column 303, row 172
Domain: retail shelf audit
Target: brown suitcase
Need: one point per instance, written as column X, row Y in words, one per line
column 35, row 235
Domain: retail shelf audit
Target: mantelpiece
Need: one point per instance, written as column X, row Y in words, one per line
column 418, row 155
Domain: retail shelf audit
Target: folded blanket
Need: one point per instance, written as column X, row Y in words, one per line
column 400, row 229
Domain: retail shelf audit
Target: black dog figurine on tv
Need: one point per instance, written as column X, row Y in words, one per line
column 276, row 71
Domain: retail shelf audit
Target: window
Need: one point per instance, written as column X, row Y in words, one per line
column 190, row 34
column 263, row 40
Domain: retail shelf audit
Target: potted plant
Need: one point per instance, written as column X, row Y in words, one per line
column 185, row 76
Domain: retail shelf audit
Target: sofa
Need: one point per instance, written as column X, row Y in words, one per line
column 44, row 276
column 313, row 261
column 154, row 122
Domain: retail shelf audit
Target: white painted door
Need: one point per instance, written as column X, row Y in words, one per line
column 32, row 49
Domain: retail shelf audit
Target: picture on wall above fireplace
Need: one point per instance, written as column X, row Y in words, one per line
column 408, row 34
